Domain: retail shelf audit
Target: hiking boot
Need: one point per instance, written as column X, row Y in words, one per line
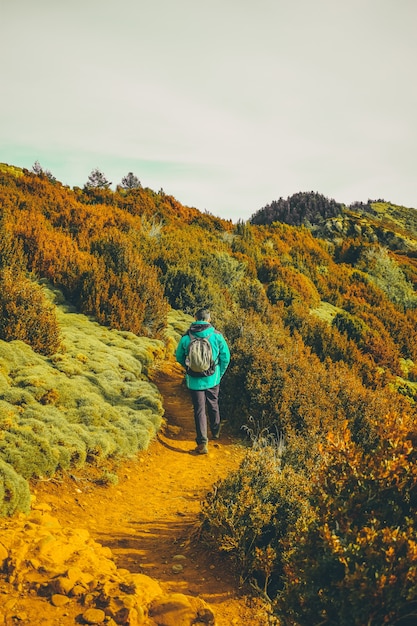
column 215, row 434
column 202, row 448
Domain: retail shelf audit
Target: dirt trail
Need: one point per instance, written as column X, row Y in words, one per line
column 151, row 515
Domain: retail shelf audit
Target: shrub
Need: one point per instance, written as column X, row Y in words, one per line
column 248, row 514
column 29, row 453
column 352, row 326
column 26, row 314
column 388, row 276
column 14, row 491
column 224, row 268
column 247, row 336
column 278, row 381
column 278, row 291
column 357, row 562
column 130, row 300
column 250, row 295
column 187, row 289
column 329, row 343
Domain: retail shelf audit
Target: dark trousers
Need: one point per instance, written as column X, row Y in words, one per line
column 203, row 398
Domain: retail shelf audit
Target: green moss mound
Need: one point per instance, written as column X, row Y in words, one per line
column 88, row 402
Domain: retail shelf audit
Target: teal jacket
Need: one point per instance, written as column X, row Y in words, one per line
column 221, row 355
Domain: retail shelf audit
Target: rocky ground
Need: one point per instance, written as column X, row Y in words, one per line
column 127, row 553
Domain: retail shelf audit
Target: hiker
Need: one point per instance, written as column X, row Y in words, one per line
column 205, row 363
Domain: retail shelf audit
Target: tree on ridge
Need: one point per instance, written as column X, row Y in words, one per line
column 130, row 181
column 97, row 180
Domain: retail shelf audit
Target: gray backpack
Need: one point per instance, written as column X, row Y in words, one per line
column 199, row 360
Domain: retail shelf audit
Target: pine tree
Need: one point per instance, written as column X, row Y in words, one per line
column 130, row 181
column 97, row 180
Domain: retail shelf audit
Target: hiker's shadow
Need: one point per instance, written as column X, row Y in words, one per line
column 170, row 447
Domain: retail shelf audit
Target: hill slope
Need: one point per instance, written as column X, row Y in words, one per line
column 321, row 320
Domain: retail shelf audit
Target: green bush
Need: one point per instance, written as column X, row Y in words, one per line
column 249, row 514
column 354, row 328
column 187, row 289
column 250, row 295
column 224, row 268
column 14, row 491
column 278, row 291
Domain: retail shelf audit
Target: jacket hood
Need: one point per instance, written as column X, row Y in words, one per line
column 199, row 327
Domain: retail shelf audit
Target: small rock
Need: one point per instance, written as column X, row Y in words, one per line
column 94, row 616
column 9, row 604
column 177, row 568
column 176, row 609
column 42, row 506
column 88, row 598
column 179, row 557
column 78, row 590
column 59, row 600
column 74, row 574
column 22, row 616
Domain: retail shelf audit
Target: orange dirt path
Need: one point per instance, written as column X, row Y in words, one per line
column 151, row 515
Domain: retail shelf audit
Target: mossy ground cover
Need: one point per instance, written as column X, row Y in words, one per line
column 11, row 169
column 178, row 323
column 326, row 311
column 90, row 401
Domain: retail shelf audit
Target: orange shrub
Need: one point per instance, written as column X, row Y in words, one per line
column 357, row 562
column 26, row 314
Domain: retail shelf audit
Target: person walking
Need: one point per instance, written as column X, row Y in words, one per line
column 204, row 385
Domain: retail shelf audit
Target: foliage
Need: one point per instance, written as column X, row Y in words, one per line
column 14, row 491
column 282, row 384
column 103, row 275
column 187, row 290
column 351, row 325
column 40, row 171
column 357, row 561
column 337, row 547
column 26, row 314
column 178, row 324
column 97, row 180
column 86, row 403
column 250, row 295
column 130, row 181
column 322, row 326
column 123, row 295
column 225, row 268
column 389, row 277
column 251, row 512
column 11, row 252
column 301, row 208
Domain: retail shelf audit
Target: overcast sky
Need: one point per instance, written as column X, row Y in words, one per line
column 225, row 104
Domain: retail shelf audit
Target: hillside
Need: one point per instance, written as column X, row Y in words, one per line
column 387, row 224
column 320, row 316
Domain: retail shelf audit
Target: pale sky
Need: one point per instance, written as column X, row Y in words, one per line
column 225, row 104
